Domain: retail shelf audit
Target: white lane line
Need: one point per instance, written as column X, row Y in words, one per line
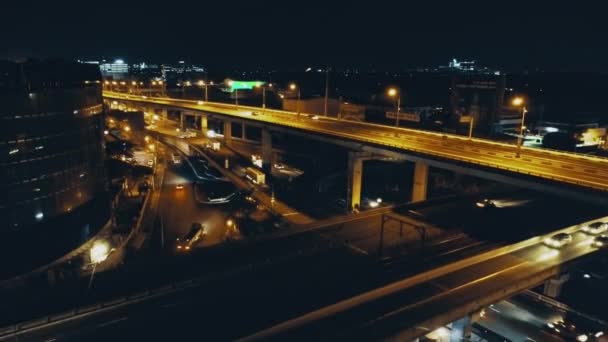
column 101, row 325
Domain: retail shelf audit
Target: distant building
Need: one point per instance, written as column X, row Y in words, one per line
column 479, row 96
column 182, row 71
column 145, row 71
column 52, row 173
column 115, row 70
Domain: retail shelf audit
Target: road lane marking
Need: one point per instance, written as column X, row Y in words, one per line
column 114, row 321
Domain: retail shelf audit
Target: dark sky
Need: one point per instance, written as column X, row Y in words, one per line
column 245, row 34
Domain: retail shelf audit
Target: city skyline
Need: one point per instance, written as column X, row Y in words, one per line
column 244, row 35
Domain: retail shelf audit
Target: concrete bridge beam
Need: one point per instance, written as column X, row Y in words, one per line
column 421, row 180
column 267, row 159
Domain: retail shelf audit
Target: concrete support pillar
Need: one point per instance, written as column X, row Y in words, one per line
column 266, row 150
column 553, row 286
column 243, row 131
column 227, row 131
column 204, row 126
column 354, row 176
column 421, row 179
column 462, row 329
column 182, row 120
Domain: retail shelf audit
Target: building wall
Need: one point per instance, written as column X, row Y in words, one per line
column 51, row 143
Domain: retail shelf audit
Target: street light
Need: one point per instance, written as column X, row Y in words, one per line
column 293, row 86
column 261, row 85
column 236, row 93
column 99, row 253
column 395, row 92
column 204, row 84
column 519, row 101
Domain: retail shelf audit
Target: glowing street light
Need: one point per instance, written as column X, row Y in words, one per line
column 395, row 92
column 293, row 87
column 98, row 253
column 519, row 101
column 205, row 84
column 261, row 85
column 236, row 93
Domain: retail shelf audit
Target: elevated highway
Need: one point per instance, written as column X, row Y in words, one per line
column 484, row 158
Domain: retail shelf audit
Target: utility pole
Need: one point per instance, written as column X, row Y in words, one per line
column 326, row 89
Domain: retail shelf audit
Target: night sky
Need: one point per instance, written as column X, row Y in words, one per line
column 267, row 34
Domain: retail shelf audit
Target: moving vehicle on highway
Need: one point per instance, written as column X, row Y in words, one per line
column 600, row 241
column 179, row 186
column 595, row 228
column 196, row 232
column 176, row 158
column 486, row 203
column 558, row 240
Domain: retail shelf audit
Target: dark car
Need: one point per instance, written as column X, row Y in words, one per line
column 195, row 233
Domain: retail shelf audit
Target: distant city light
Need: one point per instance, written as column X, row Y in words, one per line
column 119, row 61
column 39, row 216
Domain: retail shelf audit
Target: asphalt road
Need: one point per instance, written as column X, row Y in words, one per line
column 565, row 167
column 178, row 209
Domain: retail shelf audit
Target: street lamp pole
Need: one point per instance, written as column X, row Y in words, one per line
column 326, row 91
column 521, row 130
column 518, row 101
column 394, row 92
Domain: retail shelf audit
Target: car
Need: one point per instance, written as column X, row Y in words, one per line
column 600, row 241
column 595, row 228
column 486, row 203
column 558, row 240
column 315, row 117
column 179, row 186
column 196, row 232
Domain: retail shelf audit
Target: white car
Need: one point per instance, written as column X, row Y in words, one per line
column 595, row 228
column 600, row 241
column 315, row 117
column 559, row 240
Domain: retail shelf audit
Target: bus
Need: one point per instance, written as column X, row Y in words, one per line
column 255, row 175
